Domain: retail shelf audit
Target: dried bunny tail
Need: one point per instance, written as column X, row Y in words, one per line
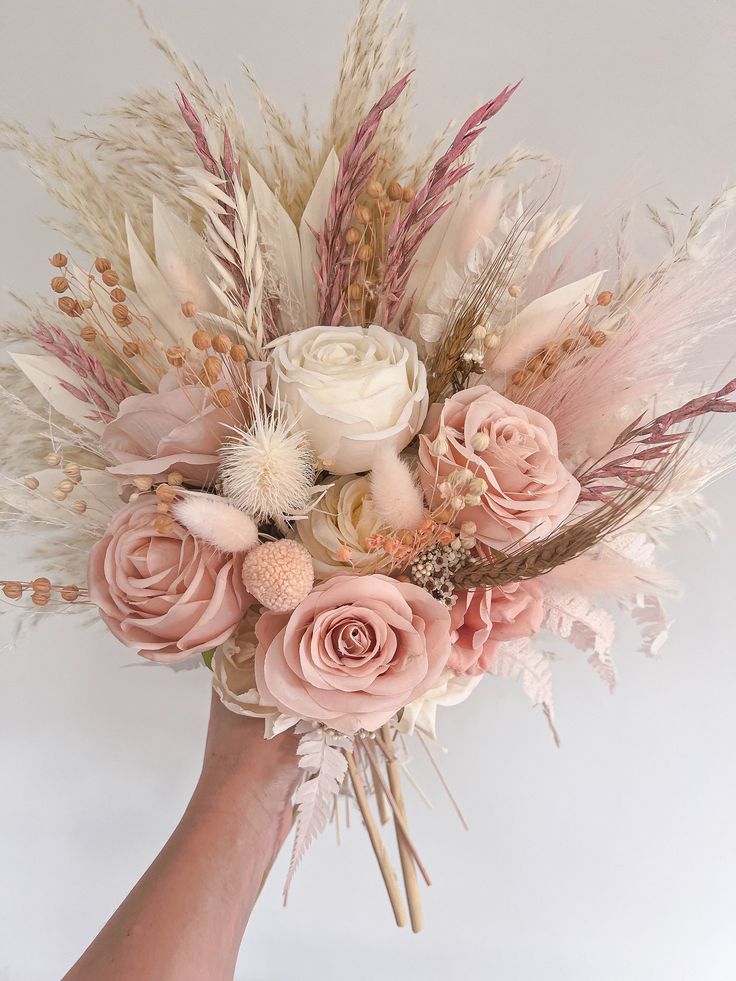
column 215, row 521
column 396, row 498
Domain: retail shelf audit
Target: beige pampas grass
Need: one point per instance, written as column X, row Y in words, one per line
column 397, row 500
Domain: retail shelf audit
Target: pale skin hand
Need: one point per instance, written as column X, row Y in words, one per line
column 185, row 918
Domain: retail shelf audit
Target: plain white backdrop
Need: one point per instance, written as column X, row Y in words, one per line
column 612, row 857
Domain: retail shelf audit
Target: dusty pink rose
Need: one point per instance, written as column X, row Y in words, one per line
column 353, row 653
column 485, row 618
column 178, row 428
column 166, row 594
column 525, row 490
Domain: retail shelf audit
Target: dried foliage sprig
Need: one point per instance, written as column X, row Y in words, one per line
column 571, row 539
column 355, row 171
column 629, row 460
column 429, row 204
column 473, row 307
column 231, row 229
column 101, row 389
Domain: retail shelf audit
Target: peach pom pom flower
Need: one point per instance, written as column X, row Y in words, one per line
column 280, row 574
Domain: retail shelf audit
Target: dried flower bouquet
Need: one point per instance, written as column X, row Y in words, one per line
column 347, row 422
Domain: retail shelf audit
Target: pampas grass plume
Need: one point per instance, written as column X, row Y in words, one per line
column 215, row 521
column 397, row 499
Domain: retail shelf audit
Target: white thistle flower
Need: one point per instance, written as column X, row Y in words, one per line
column 268, row 470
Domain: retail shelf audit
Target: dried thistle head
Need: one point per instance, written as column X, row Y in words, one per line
column 268, row 469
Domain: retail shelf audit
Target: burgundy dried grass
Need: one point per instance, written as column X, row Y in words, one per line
column 428, row 205
column 103, row 391
column 629, row 460
column 356, row 169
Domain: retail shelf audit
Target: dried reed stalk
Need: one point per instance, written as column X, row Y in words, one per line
column 389, row 876
column 408, row 869
column 475, row 304
column 569, row 541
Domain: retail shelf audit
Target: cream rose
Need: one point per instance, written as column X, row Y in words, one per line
column 233, row 670
column 352, row 389
column 335, row 532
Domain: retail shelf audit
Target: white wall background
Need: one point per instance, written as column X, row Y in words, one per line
column 612, row 857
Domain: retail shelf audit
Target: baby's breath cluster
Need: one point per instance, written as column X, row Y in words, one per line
column 435, row 568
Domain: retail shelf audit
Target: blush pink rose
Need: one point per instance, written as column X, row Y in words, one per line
column 528, row 492
column 353, row 653
column 484, row 618
column 179, row 427
column 166, row 594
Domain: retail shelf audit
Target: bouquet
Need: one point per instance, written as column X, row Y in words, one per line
column 354, row 426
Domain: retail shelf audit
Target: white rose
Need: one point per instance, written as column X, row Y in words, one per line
column 233, row 674
column 339, row 525
column 352, row 389
column 451, row 689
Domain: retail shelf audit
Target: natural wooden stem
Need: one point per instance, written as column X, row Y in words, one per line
column 408, row 869
column 389, row 876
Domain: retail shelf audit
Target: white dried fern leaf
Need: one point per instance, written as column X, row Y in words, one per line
column 575, row 618
column 517, row 660
column 322, row 757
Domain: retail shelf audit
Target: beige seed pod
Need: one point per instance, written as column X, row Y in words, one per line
column 78, row 507
column 118, row 295
column 221, row 343
column 52, row 459
column 40, row 599
column 201, row 340
column 395, row 191
column 58, row 259
column 131, row 349
column 88, row 333
column 66, row 486
column 166, row 493
column 189, row 309
column 163, row 524
column 13, row 590
column 110, row 277
column 238, row 353
column 175, row 479
column 58, row 494
column 31, row 483
column 102, row 265
column 142, row 483
column 69, row 593
column 59, row 284
column 222, row 397
column 176, row 356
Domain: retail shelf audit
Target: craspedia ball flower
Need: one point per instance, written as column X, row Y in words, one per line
column 279, row 574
